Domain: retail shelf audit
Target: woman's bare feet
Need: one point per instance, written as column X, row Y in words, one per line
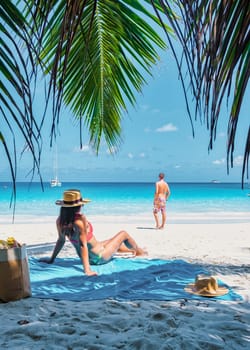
column 141, row 252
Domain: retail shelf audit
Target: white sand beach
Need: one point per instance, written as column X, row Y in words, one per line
column 223, row 248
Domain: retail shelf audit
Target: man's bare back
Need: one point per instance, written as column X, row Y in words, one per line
column 162, row 192
column 162, row 189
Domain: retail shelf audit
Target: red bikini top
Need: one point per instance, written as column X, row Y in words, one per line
column 90, row 232
column 90, row 227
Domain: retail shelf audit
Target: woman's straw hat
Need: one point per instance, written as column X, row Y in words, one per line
column 72, row 198
column 206, row 286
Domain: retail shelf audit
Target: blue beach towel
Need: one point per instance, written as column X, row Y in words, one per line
column 120, row 279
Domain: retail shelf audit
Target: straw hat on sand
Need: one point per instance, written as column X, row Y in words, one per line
column 206, row 286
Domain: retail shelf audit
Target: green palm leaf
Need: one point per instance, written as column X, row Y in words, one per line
column 216, row 47
column 95, row 52
column 16, row 96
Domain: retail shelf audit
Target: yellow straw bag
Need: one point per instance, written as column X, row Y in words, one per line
column 14, row 274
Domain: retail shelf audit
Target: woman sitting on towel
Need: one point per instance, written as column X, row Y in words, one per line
column 74, row 225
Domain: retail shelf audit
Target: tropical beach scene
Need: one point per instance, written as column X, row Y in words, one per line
column 102, row 104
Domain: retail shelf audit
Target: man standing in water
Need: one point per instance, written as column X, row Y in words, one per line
column 162, row 192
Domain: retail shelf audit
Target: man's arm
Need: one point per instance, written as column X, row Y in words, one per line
column 168, row 192
column 156, row 190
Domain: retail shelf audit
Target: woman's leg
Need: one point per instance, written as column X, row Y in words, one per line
column 122, row 249
column 118, row 241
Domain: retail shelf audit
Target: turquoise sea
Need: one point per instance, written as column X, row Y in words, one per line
column 188, row 200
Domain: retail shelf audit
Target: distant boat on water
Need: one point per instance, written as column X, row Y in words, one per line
column 215, row 182
column 55, row 181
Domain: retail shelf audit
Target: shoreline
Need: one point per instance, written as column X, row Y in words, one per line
column 219, row 217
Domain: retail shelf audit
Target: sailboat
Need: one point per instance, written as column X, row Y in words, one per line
column 55, row 181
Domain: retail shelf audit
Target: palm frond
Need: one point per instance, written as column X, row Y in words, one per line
column 17, row 115
column 95, row 51
column 215, row 37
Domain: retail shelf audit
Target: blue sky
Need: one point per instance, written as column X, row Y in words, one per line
column 157, row 137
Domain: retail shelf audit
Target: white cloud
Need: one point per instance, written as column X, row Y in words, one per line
column 142, row 155
column 238, row 161
column 84, row 148
column 177, row 166
column 130, row 155
column 167, row 128
column 219, row 161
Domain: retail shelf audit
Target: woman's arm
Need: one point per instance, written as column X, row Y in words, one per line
column 82, row 224
column 59, row 244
